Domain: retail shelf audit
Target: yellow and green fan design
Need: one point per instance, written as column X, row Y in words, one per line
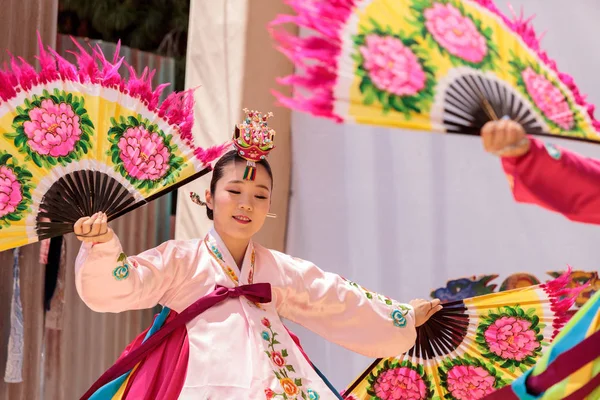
column 80, row 139
column 472, row 347
column 436, row 65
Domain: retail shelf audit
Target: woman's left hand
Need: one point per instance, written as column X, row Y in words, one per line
column 424, row 309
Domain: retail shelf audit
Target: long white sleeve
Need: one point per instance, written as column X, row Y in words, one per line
column 343, row 312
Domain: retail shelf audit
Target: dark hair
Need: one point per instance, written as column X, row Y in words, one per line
column 228, row 158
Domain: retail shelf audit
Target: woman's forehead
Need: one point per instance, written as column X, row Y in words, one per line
column 234, row 173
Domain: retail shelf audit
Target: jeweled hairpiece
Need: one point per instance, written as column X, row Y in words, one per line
column 253, row 140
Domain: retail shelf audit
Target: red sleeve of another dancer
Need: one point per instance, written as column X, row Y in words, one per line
column 557, row 180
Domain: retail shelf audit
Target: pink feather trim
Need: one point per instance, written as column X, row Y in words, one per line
column 93, row 68
column 328, row 18
column 562, row 298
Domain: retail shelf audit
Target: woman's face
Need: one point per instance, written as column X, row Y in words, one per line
column 239, row 206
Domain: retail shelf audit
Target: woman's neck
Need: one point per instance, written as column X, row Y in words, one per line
column 236, row 247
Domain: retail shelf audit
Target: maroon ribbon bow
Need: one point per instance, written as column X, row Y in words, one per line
column 256, row 292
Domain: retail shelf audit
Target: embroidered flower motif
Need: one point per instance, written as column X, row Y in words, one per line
column 312, row 395
column 511, row 338
column 121, row 272
column 553, row 151
column 289, row 387
column 217, row 252
column 466, row 382
column 369, row 294
column 548, row 98
column 269, row 393
column 392, row 66
column 455, row 32
column 10, row 191
column 53, row 129
column 277, row 359
column 398, row 318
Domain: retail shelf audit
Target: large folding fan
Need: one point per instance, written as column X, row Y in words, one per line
column 437, row 65
column 76, row 140
column 472, row 347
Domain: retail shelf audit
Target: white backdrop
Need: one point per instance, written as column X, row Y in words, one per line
column 402, row 212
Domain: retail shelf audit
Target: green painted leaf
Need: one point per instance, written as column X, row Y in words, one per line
column 133, row 121
column 4, row 158
column 36, row 159
column 13, row 217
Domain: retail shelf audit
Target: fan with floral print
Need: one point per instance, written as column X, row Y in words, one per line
column 472, row 347
column 436, row 65
column 76, row 140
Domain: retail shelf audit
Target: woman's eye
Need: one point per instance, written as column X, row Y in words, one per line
column 261, row 197
column 233, row 191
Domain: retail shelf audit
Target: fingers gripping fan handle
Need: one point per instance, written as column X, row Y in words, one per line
column 435, row 65
column 79, row 139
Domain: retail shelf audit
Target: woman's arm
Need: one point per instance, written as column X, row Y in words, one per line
column 107, row 280
column 545, row 175
column 345, row 313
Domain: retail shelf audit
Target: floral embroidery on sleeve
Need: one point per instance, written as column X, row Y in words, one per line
column 399, row 311
column 122, row 270
column 369, row 294
column 292, row 387
column 399, row 316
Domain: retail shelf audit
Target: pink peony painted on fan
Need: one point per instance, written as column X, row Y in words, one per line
column 548, row 98
column 54, row 129
column 455, row 32
column 392, row 66
column 400, row 383
column 511, row 338
column 10, row 191
column 144, row 154
column 467, row 382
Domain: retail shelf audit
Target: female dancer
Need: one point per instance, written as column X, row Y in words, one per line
column 544, row 174
column 233, row 293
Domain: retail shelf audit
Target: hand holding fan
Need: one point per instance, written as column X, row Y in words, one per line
column 442, row 65
column 472, row 347
column 76, row 140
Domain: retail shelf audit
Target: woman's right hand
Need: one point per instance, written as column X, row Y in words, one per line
column 424, row 309
column 93, row 229
column 505, row 138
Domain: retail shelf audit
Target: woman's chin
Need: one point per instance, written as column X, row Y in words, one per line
column 239, row 231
